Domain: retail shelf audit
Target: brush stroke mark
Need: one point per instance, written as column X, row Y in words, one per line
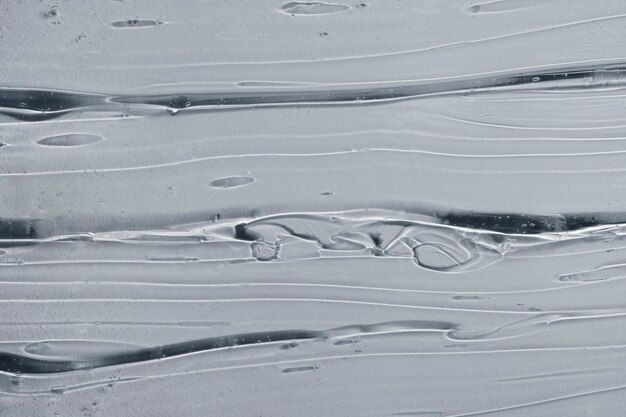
column 444, row 243
column 36, row 105
column 598, row 225
column 16, row 363
column 39, row 364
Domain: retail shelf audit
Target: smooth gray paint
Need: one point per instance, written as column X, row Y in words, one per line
column 378, row 208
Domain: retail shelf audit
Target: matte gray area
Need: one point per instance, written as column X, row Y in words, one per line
column 272, row 208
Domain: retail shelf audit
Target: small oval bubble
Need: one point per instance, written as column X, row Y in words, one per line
column 300, row 369
column 134, row 23
column 344, row 342
column 37, row 348
column 232, row 182
column 467, row 297
column 51, row 13
column 290, row 345
column 298, row 8
column 70, row 139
